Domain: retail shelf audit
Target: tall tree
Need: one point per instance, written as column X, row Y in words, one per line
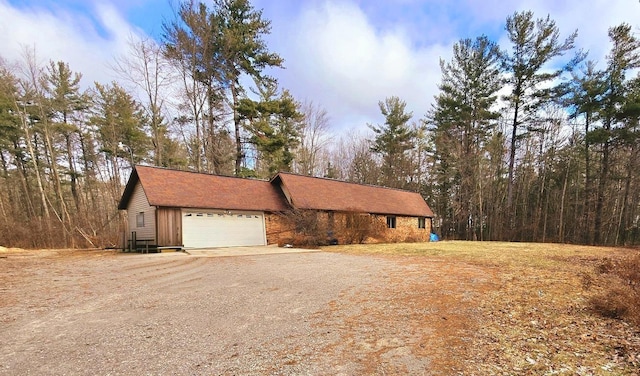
column 10, row 147
column 189, row 42
column 229, row 44
column 583, row 97
column 30, row 107
column 120, row 121
column 623, row 57
column 461, row 121
column 274, row 123
column 147, row 69
column 242, row 51
column 62, row 87
column 392, row 141
column 314, row 139
column 534, row 44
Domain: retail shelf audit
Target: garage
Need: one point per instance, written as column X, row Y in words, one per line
column 209, row 228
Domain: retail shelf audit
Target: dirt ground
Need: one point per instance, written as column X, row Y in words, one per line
column 320, row 313
column 104, row 312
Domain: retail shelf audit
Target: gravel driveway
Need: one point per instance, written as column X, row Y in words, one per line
column 107, row 313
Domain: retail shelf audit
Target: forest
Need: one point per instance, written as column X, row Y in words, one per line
column 528, row 142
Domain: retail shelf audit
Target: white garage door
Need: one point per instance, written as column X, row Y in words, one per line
column 206, row 228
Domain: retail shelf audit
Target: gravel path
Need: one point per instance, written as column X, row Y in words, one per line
column 286, row 314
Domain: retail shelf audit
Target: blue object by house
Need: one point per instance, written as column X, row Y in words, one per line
column 433, row 237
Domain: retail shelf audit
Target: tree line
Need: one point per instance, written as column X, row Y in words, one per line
column 531, row 143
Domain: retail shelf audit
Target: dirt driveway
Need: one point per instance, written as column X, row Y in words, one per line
column 99, row 313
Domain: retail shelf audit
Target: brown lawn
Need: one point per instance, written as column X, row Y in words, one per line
column 512, row 308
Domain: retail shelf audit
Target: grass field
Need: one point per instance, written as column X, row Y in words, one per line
column 537, row 313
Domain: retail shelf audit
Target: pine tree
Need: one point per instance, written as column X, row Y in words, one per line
column 224, row 43
column 534, row 44
column 274, row 123
column 392, row 141
column 624, row 57
column 120, row 123
column 460, row 122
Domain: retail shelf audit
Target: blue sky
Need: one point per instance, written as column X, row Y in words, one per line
column 344, row 55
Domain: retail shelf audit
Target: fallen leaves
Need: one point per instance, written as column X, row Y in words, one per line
column 531, row 314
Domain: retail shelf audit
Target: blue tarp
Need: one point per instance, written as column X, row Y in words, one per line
column 433, row 237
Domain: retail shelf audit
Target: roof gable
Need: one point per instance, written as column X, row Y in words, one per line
column 305, row 192
column 184, row 189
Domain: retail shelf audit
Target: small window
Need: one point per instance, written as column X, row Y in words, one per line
column 140, row 219
column 239, row 215
column 391, row 222
column 200, row 215
column 209, row 214
column 188, row 215
column 422, row 222
column 247, row 216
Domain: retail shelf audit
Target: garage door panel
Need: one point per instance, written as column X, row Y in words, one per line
column 203, row 229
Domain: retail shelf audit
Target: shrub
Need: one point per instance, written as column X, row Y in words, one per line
column 310, row 231
column 359, row 227
column 621, row 298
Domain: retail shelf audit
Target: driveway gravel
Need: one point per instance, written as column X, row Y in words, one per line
column 320, row 313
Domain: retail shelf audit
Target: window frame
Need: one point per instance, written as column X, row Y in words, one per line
column 391, row 221
column 422, row 222
column 140, row 220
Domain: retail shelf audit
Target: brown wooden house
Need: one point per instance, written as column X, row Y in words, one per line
column 170, row 208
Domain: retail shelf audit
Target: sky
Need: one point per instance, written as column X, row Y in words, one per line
column 343, row 55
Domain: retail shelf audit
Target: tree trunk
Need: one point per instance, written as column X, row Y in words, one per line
column 65, row 218
column 236, row 122
column 622, row 221
column 26, row 187
column 588, row 238
column 72, row 172
column 34, row 159
column 604, row 175
column 562, row 200
column 512, row 159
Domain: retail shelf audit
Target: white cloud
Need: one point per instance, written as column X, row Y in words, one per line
column 337, row 58
column 61, row 35
column 345, row 55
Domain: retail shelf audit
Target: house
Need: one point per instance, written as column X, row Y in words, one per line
column 181, row 209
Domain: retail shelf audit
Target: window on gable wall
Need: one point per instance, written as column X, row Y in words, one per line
column 422, row 222
column 391, row 222
column 140, row 219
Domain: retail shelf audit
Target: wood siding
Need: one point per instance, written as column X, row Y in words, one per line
column 169, row 225
column 139, row 204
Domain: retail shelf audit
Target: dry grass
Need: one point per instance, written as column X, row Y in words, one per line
column 538, row 315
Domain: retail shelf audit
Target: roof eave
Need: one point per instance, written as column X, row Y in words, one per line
column 128, row 190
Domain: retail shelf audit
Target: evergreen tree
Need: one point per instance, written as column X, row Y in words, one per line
column 461, row 122
column 274, row 123
column 583, row 97
column 120, row 123
column 624, row 57
column 224, row 43
column 534, row 44
column 392, row 141
column 62, row 87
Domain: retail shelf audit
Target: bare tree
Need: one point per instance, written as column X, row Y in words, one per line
column 147, row 70
column 314, row 139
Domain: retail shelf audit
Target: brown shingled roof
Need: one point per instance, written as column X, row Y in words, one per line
column 327, row 194
column 182, row 189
